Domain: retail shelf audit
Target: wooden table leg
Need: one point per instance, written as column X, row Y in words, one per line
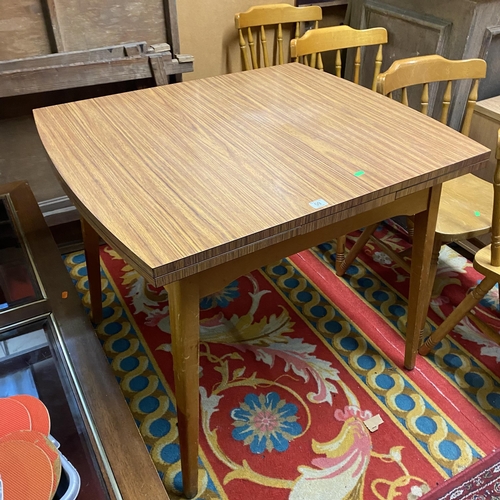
column 91, row 245
column 184, row 303
column 418, row 300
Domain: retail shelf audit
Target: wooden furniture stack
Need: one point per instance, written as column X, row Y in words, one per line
column 54, row 51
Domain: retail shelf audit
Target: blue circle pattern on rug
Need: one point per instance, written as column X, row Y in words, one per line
column 363, row 285
column 403, row 402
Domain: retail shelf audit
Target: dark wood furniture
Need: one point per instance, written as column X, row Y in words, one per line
column 455, row 29
column 65, row 50
column 41, row 312
column 218, row 193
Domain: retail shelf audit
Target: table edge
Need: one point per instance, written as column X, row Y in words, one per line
column 182, row 268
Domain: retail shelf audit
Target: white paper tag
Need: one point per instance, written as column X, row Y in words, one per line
column 318, row 203
column 373, row 423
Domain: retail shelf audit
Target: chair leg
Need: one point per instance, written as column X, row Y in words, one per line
column 484, row 327
column 470, row 301
column 438, row 243
column 411, row 227
column 340, row 254
column 91, row 246
column 342, row 266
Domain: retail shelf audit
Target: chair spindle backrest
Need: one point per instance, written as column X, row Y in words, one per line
column 253, row 24
column 423, row 70
column 338, row 38
column 495, row 226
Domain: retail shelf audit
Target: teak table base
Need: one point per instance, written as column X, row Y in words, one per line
column 184, row 297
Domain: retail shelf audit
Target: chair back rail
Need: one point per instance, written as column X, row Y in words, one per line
column 424, row 70
column 337, row 38
column 253, row 24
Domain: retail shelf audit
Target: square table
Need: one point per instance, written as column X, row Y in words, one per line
column 198, row 183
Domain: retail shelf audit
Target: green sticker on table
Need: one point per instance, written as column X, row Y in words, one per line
column 359, row 173
column 477, row 214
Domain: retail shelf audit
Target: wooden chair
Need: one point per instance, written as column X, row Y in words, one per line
column 487, row 262
column 465, row 206
column 255, row 21
column 337, row 38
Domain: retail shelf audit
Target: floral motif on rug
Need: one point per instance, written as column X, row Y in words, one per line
column 288, row 379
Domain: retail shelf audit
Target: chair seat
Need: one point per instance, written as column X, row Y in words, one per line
column 462, row 199
column 482, row 264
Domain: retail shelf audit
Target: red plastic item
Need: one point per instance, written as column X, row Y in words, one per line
column 26, row 471
column 45, row 444
column 40, row 418
column 14, row 416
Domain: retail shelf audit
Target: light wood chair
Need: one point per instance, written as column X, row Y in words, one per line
column 256, row 20
column 465, row 206
column 338, row 38
column 487, row 262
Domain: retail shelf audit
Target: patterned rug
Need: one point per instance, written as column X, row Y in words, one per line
column 293, row 362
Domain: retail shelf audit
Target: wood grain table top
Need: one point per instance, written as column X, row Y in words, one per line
column 186, row 176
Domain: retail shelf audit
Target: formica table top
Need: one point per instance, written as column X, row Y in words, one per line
column 183, row 177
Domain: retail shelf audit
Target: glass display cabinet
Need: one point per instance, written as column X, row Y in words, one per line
column 49, row 349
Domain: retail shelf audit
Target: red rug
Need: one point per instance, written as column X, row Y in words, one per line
column 293, row 362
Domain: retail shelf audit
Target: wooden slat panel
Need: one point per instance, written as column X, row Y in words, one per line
column 86, row 24
column 22, row 29
column 64, row 77
column 80, row 75
column 170, row 15
column 52, row 23
column 67, row 58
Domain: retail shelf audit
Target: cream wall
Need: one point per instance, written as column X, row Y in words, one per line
column 207, row 32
